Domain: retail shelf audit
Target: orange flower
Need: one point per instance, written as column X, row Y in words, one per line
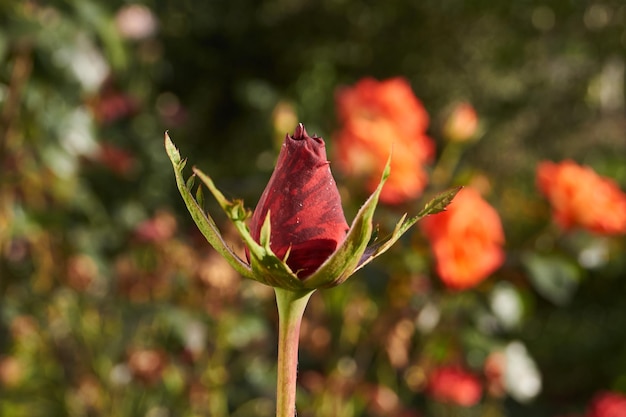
column 455, row 385
column 377, row 116
column 580, row 197
column 466, row 240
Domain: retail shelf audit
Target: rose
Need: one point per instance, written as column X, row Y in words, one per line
column 466, row 240
column 306, row 216
column 454, row 385
column 580, row 197
column 376, row 116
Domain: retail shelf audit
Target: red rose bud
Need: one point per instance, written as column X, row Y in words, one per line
column 298, row 229
column 306, row 217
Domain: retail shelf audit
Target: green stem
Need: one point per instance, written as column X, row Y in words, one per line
column 291, row 305
column 447, row 164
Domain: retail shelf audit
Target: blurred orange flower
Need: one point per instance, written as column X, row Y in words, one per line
column 466, row 240
column 580, row 197
column 607, row 404
column 455, row 385
column 376, row 116
column 11, row 371
column 147, row 365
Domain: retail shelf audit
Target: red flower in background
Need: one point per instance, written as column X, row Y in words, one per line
column 580, row 197
column 375, row 117
column 307, row 220
column 607, row 404
column 466, row 240
column 111, row 104
column 118, row 160
column 454, row 385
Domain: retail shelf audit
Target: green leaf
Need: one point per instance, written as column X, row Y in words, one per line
column 554, row 277
column 439, row 202
column 205, row 222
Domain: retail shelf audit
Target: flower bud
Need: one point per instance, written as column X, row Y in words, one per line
column 462, row 123
column 298, row 238
column 306, row 217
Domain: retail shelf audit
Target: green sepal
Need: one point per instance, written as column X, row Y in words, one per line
column 204, row 221
column 439, row 202
column 200, row 197
column 191, row 180
column 345, row 260
column 265, row 265
column 436, row 205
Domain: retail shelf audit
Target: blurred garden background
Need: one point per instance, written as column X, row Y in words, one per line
column 112, row 303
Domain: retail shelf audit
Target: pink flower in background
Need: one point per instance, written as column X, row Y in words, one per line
column 376, row 118
column 157, row 229
column 455, row 385
column 136, row 21
column 581, row 197
column 466, row 240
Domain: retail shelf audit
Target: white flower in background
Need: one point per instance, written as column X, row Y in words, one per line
column 85, row 61
column 506, row 304
column 77, row 133
column 428, row 318
column 195, row 335
column 521, row 376
column 136, row 22
column 594, row 255
column 76, row 139
column 120, row 375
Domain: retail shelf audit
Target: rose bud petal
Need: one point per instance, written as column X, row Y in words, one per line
column 306, row 217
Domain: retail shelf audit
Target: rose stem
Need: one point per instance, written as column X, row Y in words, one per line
column 447, row 164
column 291, row 305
